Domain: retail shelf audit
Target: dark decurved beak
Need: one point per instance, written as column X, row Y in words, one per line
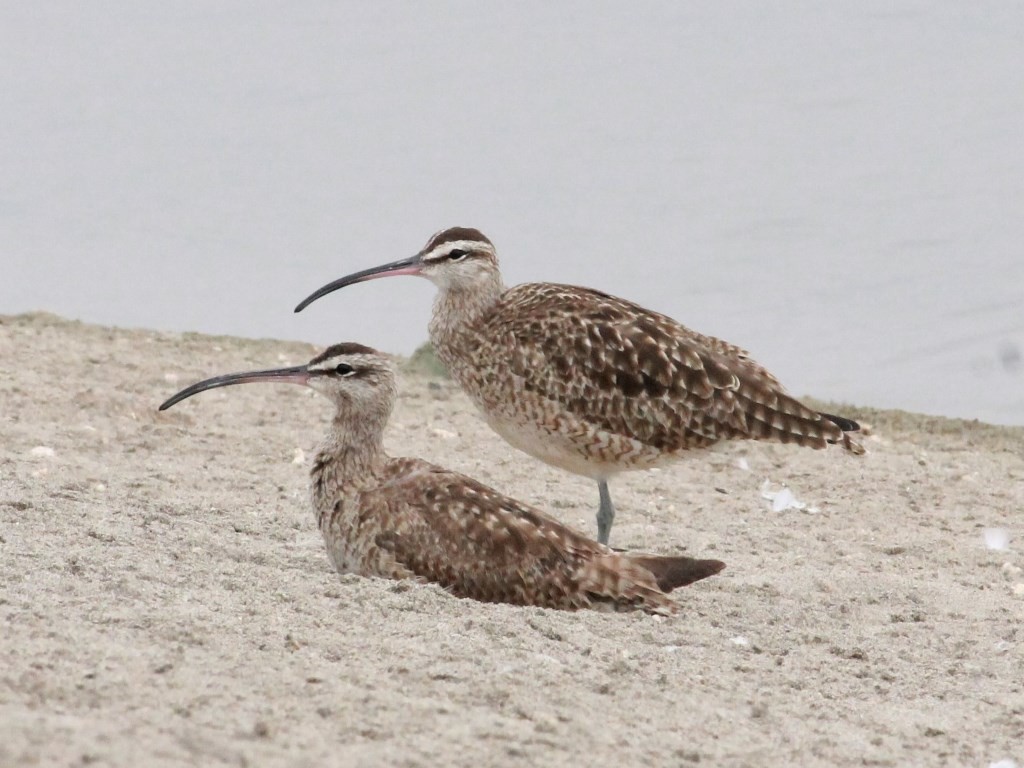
column 410, row 266
column 295, row 375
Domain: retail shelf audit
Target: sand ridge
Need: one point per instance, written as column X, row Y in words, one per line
column 167, row 600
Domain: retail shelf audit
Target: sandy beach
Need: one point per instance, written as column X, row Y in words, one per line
column 167, row 600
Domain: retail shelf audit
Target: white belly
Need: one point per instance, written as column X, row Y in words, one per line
column 576, row 447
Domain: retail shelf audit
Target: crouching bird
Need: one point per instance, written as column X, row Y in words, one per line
column 405, row 518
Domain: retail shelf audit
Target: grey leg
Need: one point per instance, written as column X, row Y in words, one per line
column 605, row 513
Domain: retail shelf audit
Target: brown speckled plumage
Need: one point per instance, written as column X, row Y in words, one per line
column 589, row 382
column 635, row 386
column 409, row 519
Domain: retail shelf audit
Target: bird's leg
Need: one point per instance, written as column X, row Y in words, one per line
column 605, row 513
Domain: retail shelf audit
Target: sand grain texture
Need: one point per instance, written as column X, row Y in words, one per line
column 166, row 598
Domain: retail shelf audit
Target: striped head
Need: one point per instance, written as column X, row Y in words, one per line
column 459, row 259
column 359, row 381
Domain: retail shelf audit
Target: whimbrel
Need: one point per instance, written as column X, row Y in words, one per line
column 589, row 382
column 410, row 519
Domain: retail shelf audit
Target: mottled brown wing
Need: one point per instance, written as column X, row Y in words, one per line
column 453, row 531
column 641, row 374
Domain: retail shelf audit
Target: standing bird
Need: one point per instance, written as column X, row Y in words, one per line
column 589, row 382
column 410, row 519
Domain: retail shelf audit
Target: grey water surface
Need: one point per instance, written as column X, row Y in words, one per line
column 838, row 187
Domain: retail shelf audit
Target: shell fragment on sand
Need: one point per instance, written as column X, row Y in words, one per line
column 996, row 538
column 784, row 499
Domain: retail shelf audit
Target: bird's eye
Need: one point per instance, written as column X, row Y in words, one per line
column 457, row 255
column 344, row 369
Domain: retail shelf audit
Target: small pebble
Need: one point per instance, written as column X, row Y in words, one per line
column 171, row 378
column 299, row 457
column 739, row 640
column 1011, row 571
column 43, row 452
column 443, row 433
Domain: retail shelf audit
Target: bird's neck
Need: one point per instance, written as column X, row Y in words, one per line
column 349, row 459
column 459, row 309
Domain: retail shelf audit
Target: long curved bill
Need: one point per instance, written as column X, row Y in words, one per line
column 410, row 266
column 298, row 374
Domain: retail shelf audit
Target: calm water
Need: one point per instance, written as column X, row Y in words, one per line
column 838, row 187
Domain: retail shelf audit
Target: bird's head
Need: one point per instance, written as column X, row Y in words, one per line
column 456, row 260
column 359, row 380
